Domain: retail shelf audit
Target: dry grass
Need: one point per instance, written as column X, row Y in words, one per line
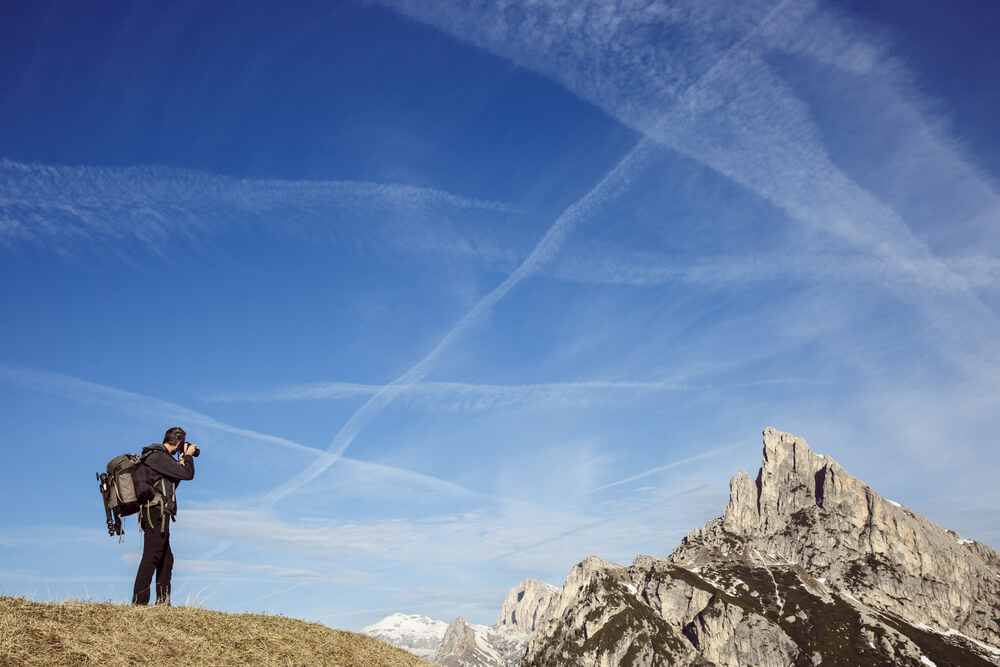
column 91, row 633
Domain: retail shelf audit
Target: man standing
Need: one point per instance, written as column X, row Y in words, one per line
column 155, row 515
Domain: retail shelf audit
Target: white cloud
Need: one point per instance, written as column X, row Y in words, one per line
column 68, row 207
column 458, row 395
column 699, row 78
column 65, row 385
column 237, row 570
column 539, row 540
column 612, row 266
column 612, row 185
column 131, row 402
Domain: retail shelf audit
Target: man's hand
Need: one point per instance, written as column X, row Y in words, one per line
column 189, row 448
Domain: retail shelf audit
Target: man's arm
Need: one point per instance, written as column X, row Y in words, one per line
column 164, row 464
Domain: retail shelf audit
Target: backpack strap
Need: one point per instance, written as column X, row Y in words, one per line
column 159, row 496
column 173, row 499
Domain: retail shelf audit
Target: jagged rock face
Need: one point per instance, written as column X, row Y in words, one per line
column 469, row 645
column 653, row 613
column 598, row 619
column 806, row 566
column 459, row 647
column 804, row 508
column 524, row 604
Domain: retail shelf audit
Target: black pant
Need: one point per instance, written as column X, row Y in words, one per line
column 156, row 556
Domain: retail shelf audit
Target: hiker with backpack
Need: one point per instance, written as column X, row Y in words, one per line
column 155, row 515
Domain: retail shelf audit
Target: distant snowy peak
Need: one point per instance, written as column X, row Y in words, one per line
column 415, row 633
column 408, row 623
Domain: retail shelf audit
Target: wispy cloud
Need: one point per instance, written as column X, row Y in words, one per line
column 241, row 570
column 523, row 530
column 39, row 578
column 586, row 526
column 464, row 540
column 612, row 266
column 670, row 466
column 458, row 395
column 68, row 207
column 130, row 402
column 65, row 385
column 610, row 186
column 716, row 95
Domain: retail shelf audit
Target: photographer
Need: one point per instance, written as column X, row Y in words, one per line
column 155, row 516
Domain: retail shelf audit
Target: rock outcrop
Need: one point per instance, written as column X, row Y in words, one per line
column 807, row 565
column 469, row 645
column 805, row 509
column 525, row 604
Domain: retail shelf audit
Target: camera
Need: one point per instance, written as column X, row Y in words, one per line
column 196, row 451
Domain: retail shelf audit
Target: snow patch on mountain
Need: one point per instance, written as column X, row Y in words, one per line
column 415, row 633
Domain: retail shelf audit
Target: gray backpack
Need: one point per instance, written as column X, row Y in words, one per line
column 125, row 487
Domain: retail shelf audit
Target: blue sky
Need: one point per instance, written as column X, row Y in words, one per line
column 455, row 294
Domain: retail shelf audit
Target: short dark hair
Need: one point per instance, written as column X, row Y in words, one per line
column 174, row 436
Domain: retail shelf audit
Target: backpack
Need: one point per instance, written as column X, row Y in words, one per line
column 126, row 486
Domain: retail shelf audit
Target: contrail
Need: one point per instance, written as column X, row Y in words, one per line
column 86, row 391
column 600, row 522
column 692, row 459
column 613, row 184
column 62, row 206
column 337, row 390
column 67, row 385
column 609, row 187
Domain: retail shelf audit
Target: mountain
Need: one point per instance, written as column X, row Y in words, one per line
column 503, row 643
column 469, row 645
column 464, row 644
column 417, row 634
column 807, row 565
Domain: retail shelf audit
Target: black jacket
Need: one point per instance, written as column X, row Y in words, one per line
column 166, row 468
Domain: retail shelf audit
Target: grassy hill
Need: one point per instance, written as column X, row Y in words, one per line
column 82, row 633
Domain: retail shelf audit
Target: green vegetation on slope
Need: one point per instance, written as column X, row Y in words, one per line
column 83, row 633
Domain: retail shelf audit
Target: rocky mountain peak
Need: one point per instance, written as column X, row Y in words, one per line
column 525, row 604
column 469, row 645
column 459, row 640
column 804, row 509
column 806, row 565
column 791, row 478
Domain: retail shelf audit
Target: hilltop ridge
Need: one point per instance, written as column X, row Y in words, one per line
column 72, row 633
